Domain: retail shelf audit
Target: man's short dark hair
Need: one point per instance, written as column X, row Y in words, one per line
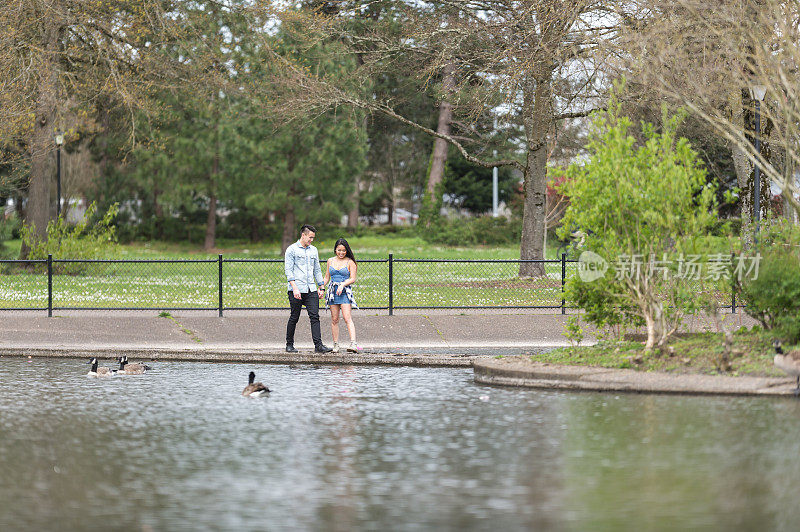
column 307, row 229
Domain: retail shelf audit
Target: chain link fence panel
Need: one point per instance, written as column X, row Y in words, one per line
column 425, row 283
column 260, row 284
column 23, row 285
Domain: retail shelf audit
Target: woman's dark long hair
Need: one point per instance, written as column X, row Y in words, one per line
column 348, row 251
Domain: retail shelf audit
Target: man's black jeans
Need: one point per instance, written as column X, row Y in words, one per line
column 311, row 301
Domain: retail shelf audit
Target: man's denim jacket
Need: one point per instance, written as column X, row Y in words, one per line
column 301, row 265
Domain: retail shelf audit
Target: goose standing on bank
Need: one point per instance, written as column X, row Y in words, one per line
column 101, row 371
column 126, row 368
column 254, row 389
column 788, row 362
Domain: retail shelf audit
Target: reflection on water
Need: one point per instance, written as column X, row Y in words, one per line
column 343, row 448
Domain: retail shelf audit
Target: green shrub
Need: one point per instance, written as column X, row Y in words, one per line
column 378, row 230
column 637, row 199
column 573, row 331
column 603, row 307
column 482, row 230
column 8, row 228
column 773, row 298
column 79, row 242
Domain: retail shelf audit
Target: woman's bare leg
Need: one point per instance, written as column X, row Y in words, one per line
column 348, row 319
column 335, row 323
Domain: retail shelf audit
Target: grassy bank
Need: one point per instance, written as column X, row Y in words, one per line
column 367, row 247
column 752, row 354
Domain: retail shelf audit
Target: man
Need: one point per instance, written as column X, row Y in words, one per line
column 306, row 287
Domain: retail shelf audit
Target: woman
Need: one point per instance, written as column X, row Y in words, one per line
column 341, row 272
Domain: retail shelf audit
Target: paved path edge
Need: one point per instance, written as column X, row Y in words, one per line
column 526, row 373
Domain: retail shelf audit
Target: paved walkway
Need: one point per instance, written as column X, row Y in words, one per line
column 267, row 330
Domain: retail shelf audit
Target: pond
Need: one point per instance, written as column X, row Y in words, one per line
column 380, row 448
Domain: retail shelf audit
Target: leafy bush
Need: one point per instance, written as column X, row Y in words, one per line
column 79, row 242
column 378, row 230
column 483, row 230
column 637, row 200
column 773, row 298
column 8, row 229
column 573, row 331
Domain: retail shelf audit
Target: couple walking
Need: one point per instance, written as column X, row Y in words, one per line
column 306, row 287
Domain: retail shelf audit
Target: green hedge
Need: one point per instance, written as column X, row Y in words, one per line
column 483, row 230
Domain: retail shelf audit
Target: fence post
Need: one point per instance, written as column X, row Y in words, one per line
column 733, row 284
column 220, row 285
column 49, row 285
column 391, row 284
column 563, row 282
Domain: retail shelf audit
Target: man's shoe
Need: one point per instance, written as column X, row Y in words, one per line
column 322, row 349
column 290, row 348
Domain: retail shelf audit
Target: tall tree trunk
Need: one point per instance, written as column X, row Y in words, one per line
column 20, row 212
column 352, row 216
column 445, row 118
column 211, row 223
column 390, row 209
column 392, row 181
column 158, row 210
column 102, row 107
column 538, row 98
column 42, row 139
column 255, row 225
column 289, row 229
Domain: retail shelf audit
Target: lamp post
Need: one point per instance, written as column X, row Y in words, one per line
column 59, row 143
column 495, row 187
column 495, row 190
column 757, row 92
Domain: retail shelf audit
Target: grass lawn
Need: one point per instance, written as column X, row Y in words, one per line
column 255, row 278
column 695, row 353
column 262, row 284
column 364, row 247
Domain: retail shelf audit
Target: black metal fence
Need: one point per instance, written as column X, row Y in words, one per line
column 259, row 284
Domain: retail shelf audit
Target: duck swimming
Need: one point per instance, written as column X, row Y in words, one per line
column 101, row 371
column 254, row 389
column 126, row 368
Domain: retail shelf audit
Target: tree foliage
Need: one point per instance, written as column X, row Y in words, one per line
column 532, row 59
column 637, row 204
column 90, row 239
column 470, row 187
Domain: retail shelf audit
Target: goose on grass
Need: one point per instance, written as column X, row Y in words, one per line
column 788, row 362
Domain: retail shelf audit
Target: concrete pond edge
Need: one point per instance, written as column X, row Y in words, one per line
column 273, row 356
column 526, row 373
column 517, row 371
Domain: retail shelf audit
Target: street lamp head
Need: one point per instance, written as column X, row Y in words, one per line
column 757, row 92
column 59, row 139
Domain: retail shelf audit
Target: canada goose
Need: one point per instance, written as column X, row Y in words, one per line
column 254, row 389
column 127, row 368
column 788, row 362
column 101, row 371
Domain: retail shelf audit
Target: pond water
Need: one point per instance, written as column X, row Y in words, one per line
column 380, row 448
